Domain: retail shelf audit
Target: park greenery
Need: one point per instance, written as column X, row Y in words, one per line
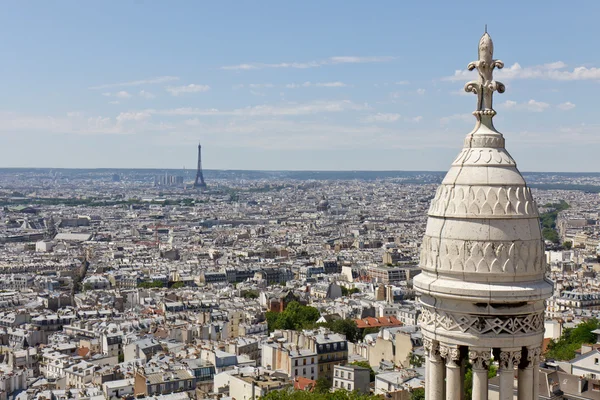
column 548, row 220
column 299, row 317
column 150, row 285
column 348, row 292
column 570, row 341
column 250, row 294
column 317, row 395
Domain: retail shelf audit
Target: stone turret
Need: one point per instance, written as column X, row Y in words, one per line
column 483, row 284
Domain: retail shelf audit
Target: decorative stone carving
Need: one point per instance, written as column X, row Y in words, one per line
column 451, row 354
column 509, row 359
column 427, row 346
column 485, row 156
column 434, row 352
column 483, row 202
column 482, row 325
column 485, row 86
column 518, row 257
column 533, row 355
column 479, row 358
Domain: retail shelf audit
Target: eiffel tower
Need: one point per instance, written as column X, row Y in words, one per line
column 199, row 182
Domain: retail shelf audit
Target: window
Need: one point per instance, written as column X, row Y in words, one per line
column 321, row 368
column 303, row 371
column 312, row 360
column 342, row 374
column 296, row 363
column 304, row 361
column 596, row 387
column 596, row 361
column 337, row 373
column 349, row 387
column 336, row 383
column 312, row 370
column 349, row 375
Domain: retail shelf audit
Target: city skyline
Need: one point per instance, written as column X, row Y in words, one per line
column 341, row 86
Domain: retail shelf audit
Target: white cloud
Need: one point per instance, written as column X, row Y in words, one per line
column 418, row 118
column 287, row 109
column 261, row 85
column 382, row 117
column 315, row 84
column 420, row 91
column 122, row 94
column 114, row 102
column 309, row 64
column 72, row 124
column 160, row 79
column 457, row 117
column 147, row 95
column 566, row 106
column 531, row 105
column 133, row 116
column 552, row 71
column 401, row 83
column 191, row 88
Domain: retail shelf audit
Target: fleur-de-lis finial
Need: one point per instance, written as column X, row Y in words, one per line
column 485, row 86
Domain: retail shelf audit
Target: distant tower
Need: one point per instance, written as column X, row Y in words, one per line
column 199, row 182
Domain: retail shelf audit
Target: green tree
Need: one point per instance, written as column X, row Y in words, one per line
column 322, row 386
column 250, row 294
column 365, row 364
column 345, row 327
column 571, row 340
column 295, row 316
column 290, row 394
column 418, row 394
column 567, row 244
column 177, row 285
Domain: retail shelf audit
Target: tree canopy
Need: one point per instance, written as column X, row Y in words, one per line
column 302, row 395
column 571, row 340
column 295, row 316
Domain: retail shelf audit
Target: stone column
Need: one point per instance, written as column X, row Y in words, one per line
column 454, row 377
column 509, row 359
column 535, row 359
column 436, row 374
column 427, row 344
column 525, row 376
column 480, row 359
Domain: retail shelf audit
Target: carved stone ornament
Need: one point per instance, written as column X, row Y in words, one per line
column 483, row 202
column 481, row 325
column 533, row 355
column 434, row 354
column 518, row 257
column 427, row 345
column 485, row 86
column 509, row 359
column 479, row 358
column 451, row 354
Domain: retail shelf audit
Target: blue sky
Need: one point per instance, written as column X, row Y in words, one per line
column 333, row 85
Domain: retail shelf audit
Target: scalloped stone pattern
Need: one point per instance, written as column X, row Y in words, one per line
column 482, row 325
column 484, row 156
column 460, row 256
column 483, row 202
